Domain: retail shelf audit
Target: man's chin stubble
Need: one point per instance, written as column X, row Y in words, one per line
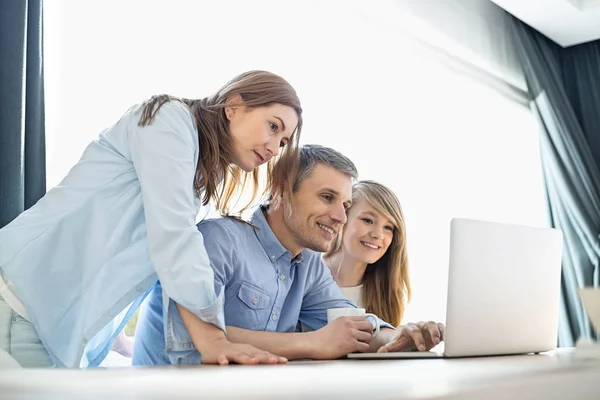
column 315, row 246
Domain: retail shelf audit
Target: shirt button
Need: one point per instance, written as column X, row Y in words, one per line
column 255, row 301
column 282, row 277
column 273, row 258
column 274, row 317
column 112, row 313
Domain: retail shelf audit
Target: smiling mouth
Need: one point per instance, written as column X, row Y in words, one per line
column 326, row 229
column 370, row 245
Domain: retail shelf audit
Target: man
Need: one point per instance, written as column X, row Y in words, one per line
column 273, row 276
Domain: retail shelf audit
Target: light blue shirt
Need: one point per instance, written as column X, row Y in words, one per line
column 123, row 217
column 265, row 290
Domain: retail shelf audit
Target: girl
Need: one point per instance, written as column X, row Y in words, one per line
column 369, row 260
column 124, row 216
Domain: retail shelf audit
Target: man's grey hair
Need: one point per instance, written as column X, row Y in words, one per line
column 309, row 156
column 313, row 154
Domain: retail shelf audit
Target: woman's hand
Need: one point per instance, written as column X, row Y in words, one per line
column 214, row 348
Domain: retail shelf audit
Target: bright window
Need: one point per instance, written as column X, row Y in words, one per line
column 446, row 144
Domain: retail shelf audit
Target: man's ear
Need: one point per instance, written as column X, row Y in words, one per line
column 287, row 201
column 275, row 199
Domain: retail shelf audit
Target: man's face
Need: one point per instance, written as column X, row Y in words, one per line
column 317, row 211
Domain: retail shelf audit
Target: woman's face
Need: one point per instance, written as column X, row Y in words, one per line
column 259, row 133
column 367, row 234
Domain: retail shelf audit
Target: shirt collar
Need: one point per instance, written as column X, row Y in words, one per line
column 267, row 238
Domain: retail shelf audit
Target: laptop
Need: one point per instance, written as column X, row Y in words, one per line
column 503, row 291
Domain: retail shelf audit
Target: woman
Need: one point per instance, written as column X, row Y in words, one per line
column 369, row 259
column 124, row 216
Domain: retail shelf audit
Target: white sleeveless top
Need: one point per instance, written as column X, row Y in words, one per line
column 353, row 293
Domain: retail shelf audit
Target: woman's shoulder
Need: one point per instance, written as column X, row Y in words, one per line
column 176, row 105
column 175, row 109
column 168, row 111
column 172, row 117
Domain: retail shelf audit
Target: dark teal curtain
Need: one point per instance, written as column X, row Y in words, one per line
column 565, row 88
column 22, row 131
column 581, row 75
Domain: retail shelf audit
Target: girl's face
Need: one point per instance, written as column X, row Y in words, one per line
column 367, row 234
column 259, row 133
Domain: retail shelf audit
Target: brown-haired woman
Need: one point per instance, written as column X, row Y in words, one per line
column 74, row 267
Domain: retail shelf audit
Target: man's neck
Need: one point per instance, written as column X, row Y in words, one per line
column 282, row 233
column 346, row 271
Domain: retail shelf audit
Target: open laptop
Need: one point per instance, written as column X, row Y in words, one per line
column 503, row 291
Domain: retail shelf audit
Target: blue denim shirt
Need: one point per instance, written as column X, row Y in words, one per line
column 123, row 217
column 265, row 290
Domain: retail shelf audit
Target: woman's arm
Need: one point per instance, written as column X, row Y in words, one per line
column 164, row 157
column 217, row 348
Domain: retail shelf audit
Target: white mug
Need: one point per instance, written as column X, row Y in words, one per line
column 335, row 313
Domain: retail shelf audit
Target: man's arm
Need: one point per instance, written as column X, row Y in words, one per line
column 328, row 341
column 326, row 294
column 292, row 345
column 323, row 295
column 187, row 330
column 344, row 335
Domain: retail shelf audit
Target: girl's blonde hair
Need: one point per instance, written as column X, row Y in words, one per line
column 386, row 284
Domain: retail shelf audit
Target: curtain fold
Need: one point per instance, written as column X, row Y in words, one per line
column 22, row 122
column 561, row 83
column 581, row 69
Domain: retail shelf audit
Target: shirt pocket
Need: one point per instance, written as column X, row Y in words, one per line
column 256, row 308
column 253, row 296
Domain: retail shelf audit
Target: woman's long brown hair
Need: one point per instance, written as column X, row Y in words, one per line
column 386, row 284
column 257, row 89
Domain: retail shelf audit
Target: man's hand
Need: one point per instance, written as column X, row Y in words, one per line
column 342, row 336
column 421, row 336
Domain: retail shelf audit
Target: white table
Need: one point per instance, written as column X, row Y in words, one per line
column 554, row 375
